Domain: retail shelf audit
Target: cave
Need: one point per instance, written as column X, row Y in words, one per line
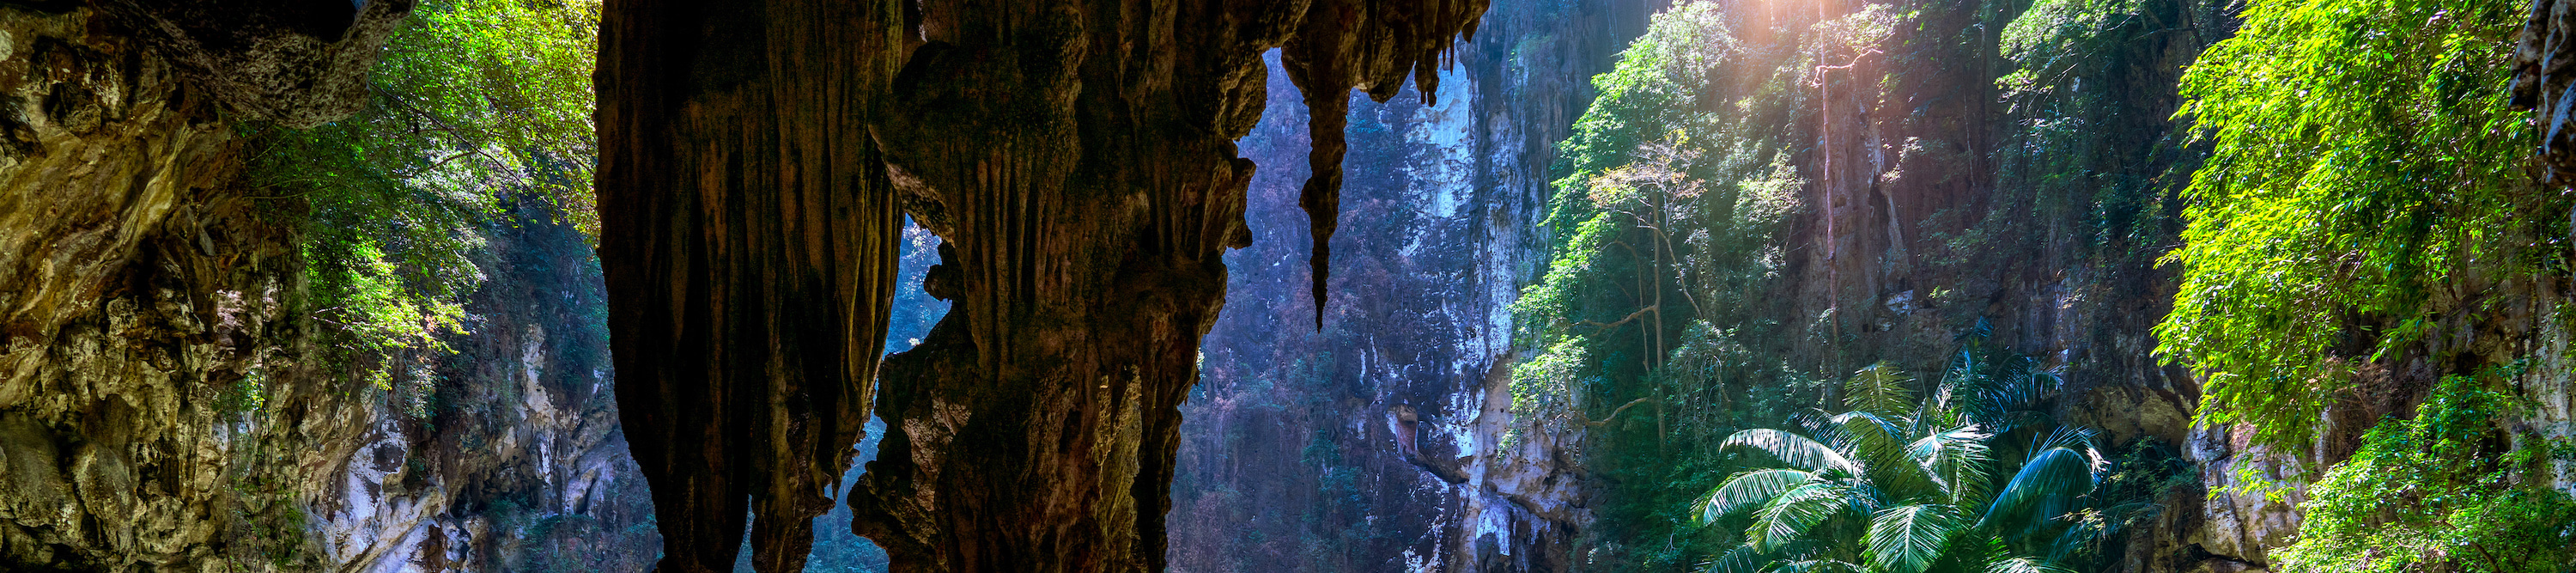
column 1501, row 286
column 1076, row 159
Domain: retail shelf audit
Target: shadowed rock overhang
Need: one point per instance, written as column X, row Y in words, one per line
column 1076, row 157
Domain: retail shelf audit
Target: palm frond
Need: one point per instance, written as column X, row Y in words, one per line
column 1879, row 389
column 1748, row 490
column 1881, row 449
column 1741, row 559
column 2075, row 438
column 1908, row 539
column 2027, row 386
column 1794, row 450
column 1960, row 462
column 2024, row 565
column 2054, row 476
column 1793, row 513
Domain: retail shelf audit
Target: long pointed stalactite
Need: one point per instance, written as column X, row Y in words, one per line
column 748, row 240
column 1077, row 158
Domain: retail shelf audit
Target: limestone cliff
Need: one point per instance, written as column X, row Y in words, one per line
column 166, row 403
column 1944, row 195
column 1378, row 443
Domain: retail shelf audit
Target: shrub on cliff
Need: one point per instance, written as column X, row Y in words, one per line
column 477, row 103
column 2366, row 176
column 2438, row 491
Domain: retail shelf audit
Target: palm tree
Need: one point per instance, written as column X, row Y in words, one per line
column 1895, row 485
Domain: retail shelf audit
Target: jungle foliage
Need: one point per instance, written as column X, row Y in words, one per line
column 1973, row 476
column 1676, row 180
column 2443, row 490
column 478, row 105
column 2369, row 187
column 2365, row 170
column 1666, row 286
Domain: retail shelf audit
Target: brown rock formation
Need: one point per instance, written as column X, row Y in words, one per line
column 164, row 405
column 300, row 63
column 1077, row 159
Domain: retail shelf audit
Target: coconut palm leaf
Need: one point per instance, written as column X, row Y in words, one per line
column 2055, row 476
column 2024, row 565
column 1882, row 450
column 1879, row 389
column 1907, row 539
column 1741, row 559
column 2073, row 438
column 1959, row 463
column 1794, row 450
column 1749, row 490
column 1793, row 513
column 2026, row 387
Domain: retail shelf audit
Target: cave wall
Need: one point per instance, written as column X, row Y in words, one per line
column 1076, row 159
column 166, row 403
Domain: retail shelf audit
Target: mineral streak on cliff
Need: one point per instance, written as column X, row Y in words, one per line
column 1077, row 159
column 1379, row 443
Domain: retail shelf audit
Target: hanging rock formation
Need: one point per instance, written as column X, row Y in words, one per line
column 1384, row 441
column 1077, row 159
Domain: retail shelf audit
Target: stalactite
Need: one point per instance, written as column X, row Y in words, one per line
column 1077, row 159
column 748, row 241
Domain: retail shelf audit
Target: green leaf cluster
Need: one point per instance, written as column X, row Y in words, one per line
column 1970, row 477
column 1649, row 323
column 476, row 105
column 2363, row 159
column 2437, row 492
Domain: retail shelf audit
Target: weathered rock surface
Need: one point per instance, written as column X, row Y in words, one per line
column 164, row 404
column 1077, row 159
column 299, row 63
column 2546, row 85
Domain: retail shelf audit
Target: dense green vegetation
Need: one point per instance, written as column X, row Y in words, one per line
column 1676, row 181
column 2439, row 489
column 2367, row 190
column 2342, row 182
column 1971, row 477
column 479, row 105
column 1670, row 289
column 2366, row 178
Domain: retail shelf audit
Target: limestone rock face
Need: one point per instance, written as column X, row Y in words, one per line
column 132, row 293
column 299, row 63
column 2545, row 84
column 1383, row 441
column 164, row 404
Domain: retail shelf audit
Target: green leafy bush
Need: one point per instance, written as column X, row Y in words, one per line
column 477, row 103
column 1671, row 191
column 2364, row 157
column 2436, row 492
